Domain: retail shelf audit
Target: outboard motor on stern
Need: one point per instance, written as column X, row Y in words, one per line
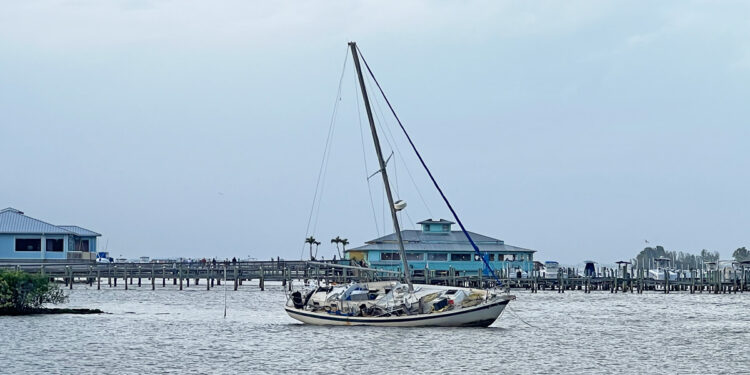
column 297, row 300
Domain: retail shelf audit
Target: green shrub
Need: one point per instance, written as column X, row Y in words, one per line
column 21, row 291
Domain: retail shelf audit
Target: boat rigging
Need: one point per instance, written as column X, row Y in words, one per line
column 388, row 303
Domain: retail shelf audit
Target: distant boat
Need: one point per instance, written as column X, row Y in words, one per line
column 551, row 269
column 589, row 269
column 390, row 303
column 662, row 274
column 662, row 271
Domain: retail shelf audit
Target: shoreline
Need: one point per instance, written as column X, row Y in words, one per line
column 49, row 311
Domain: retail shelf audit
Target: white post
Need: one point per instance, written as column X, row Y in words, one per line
column 44, row 247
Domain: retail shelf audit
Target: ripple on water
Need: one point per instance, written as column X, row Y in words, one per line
column 168, row 331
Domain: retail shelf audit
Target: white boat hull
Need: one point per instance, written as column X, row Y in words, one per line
column 477, row 316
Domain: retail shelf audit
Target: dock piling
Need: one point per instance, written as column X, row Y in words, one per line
column 262, row 283
column 236, row 282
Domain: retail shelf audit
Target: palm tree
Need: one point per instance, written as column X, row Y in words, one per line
column 311, row 240
column 344, row 242
column 337, row 241
column 317, row 243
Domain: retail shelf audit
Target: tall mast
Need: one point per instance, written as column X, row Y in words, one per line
column 376, row 140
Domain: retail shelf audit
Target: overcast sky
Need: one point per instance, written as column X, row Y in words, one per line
column 197, row 128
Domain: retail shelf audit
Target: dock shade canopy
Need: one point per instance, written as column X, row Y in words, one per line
column 28, row 244
column 55, row 244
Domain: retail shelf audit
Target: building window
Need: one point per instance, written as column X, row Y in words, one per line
column 54, row 244
column 460, row 257
column 491, row 257
column 440, row 257
column 28, row 244
column 82, row 245
column 446, row 227
column 509, row 257
column 390, row 256
column 414, row 256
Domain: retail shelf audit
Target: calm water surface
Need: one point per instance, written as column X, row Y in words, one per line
column 171, row 331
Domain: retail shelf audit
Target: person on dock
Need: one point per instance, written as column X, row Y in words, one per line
column 234, row 261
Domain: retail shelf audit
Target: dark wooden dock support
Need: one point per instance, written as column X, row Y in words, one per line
column 261, row 282
column 209, row 280
column 236, row 281
column 634, row 280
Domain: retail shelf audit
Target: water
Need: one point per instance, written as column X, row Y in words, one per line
column 171, row 331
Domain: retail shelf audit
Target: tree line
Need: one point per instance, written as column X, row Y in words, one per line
column 683, row 260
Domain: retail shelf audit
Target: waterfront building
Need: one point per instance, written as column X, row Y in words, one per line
column 436, row 247
column 23, row 238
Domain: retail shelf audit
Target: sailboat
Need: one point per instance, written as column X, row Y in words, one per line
column 394, row 303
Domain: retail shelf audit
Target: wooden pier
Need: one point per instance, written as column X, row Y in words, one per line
column 208, row 275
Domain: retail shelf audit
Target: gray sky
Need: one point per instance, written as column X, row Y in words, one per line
column 193, row 128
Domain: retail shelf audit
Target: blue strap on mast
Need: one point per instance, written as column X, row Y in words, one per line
column 463, row 229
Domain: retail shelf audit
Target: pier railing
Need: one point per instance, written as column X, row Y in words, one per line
column 328, row 272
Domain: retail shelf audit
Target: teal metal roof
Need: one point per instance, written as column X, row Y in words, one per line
column 422, row 247
column 417, row 240
column 13, row 221
column 79, row 231
column 441, row 221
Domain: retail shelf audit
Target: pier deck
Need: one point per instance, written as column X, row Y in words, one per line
column 208, row 275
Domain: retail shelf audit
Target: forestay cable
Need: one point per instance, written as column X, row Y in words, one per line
column 434, row 182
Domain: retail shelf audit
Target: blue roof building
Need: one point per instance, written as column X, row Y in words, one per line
column 23, row 238
column 437, row 247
